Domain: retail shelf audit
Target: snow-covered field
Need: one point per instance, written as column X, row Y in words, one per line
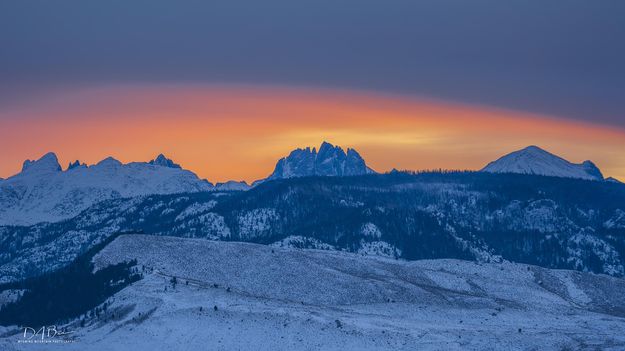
column 239, row 296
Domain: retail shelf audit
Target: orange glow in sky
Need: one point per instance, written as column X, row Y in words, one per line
column 239, row 132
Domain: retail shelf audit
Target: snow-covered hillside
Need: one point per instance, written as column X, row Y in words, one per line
column 238, row 296
column 545, row 221
column 534, row 160
column 44, row 192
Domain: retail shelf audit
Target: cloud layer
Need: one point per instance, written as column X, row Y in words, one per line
column 562, row 58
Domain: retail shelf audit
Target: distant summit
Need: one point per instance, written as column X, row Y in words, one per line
column 47, row 163
column 109, row 162
column 232, row 185
column 44, row 192
column 534, row 160
column 330, row 160
column 163, row 161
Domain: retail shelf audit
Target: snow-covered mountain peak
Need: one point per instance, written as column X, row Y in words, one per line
column 534, row 160
column 47, row 163
column 43, row 192
column 533, row 151
column 108, row 162
column 163, row 161
column 534, row 148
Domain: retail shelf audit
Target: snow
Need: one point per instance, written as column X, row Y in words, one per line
column 534, row 160
column 302, row 242
column 11, row 295
column 232, row 185
column 378, row 248
column 256, row 222
column 576, row 294
column 211, row 225
column 541, row 215
column 46, row 164
column 617, row 221
column 195, row 209
column 371, row 230
column 270, row 298
column 584, row 241
column 42, row 192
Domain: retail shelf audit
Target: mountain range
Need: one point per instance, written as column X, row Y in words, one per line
column 479, row 216
column 42, row 191
column 323, row 252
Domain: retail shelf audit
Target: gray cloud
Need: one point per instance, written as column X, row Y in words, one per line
column 560, row 57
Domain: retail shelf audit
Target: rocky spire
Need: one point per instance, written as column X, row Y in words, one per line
column 47, row 163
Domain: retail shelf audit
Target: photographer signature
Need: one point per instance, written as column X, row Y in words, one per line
column 45, row 333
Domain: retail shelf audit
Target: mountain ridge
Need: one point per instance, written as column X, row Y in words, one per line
column 537, row 161
column 44, row 192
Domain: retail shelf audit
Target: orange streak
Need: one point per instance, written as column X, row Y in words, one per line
column 238, row 132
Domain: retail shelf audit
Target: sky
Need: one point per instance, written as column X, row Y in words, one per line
column 227, row 87
column 224, row 132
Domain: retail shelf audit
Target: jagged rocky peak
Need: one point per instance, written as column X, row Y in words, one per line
column 75, row 164
column 47, row 163
column 534, row 160
column 330, row 160
column 163, row 161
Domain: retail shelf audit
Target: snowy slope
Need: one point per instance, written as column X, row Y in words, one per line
column 237, row 296
column 534, row 160
column 44, row 192
column 552, row 222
